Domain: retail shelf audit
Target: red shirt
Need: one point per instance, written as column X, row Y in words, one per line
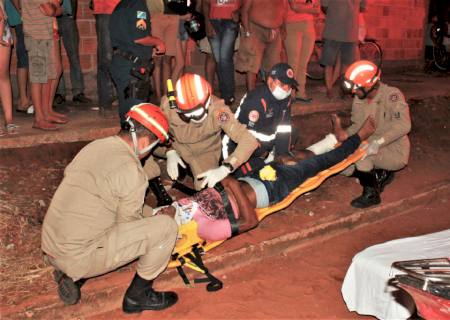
column 223, row 9
column 105, row 6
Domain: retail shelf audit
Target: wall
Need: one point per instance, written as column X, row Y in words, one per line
column 398, row 26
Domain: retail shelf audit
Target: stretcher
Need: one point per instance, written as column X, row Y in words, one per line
column 189, row 248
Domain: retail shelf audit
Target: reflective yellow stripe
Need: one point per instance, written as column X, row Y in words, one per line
column 262, row 136
column 151, row 120
column 358, row 69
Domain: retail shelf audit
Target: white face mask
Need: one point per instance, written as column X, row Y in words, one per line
column 280, row 94
column 146, row 149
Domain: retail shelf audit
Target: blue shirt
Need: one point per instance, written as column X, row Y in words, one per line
column 268, row 119
column 130, row 21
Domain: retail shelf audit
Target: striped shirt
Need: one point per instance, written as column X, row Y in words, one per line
column 35, row 24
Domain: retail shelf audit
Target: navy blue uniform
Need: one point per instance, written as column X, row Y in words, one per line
column 129, row 21
column 269, row 120
column 289, row 177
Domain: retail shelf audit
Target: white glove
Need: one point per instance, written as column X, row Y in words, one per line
column 173, row 160
column 373, row 147
column 211, row 177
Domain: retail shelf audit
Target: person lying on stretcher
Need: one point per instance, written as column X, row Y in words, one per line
column 229, row 208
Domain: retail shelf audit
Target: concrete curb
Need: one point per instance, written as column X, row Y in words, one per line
column 106, row 293
column 66, row 136
column 87, row 126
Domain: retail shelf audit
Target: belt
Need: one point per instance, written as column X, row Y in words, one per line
column 127, row 55
column 228, row 209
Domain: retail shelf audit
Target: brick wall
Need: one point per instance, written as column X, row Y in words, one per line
column 398, row 26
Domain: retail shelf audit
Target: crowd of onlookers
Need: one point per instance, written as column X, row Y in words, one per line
column 261, row 33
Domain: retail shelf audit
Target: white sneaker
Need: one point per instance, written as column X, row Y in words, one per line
column 30, row 110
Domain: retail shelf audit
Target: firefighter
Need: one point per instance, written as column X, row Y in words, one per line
column 131, row 69
column 97, row 220
column 196, row 125
column 389, row 145
column 266, row 113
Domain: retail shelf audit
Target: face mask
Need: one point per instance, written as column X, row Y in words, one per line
column 280, row 94
column 134, row 138
column 145, row 150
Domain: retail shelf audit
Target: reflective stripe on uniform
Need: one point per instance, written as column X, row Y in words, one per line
column 284, row 128
column 225, row 141
column 261, row 136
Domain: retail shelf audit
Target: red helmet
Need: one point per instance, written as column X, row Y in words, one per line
column 193, row 92
column 151, row 117
column 361, row 74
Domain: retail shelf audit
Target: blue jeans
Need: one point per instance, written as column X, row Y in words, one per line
column 222, row 46
column 104, row 58
column 68, row 30
column 290, row 177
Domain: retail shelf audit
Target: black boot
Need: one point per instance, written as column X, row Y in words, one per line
column 371, row 190
column 68, row 290
column 140, row 296
column 384, row 177
column 160, row 192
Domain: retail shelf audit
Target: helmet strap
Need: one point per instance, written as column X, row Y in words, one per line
column 367, row 92
column 134, row 137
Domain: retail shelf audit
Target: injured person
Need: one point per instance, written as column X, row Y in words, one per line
column 229, row 208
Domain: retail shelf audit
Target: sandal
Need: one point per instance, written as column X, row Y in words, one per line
column 12, row 128
column 46, row 126
column 27, row 110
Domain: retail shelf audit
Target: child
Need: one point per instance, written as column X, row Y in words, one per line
column 42, row 43
column 5, row 82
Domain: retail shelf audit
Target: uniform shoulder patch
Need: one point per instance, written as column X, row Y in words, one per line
column 393, row 97
column 253, row 116
column 141, row 25
column 222, row 116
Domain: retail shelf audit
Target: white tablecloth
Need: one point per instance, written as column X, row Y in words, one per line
column 366, row 289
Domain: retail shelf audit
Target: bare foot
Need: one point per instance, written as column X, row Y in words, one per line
column 44, row 125
column 57, row 120
column 367, row 129
column 340, row 133
column 58, row 115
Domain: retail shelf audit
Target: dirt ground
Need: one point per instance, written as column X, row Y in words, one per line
column 301, row 284
column 29, row 177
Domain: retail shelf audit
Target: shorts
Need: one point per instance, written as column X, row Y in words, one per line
column 331, row 50
column 166, row 27
column 182, row 33
column 7, row 36
column 261, row 50
column 42, row 65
